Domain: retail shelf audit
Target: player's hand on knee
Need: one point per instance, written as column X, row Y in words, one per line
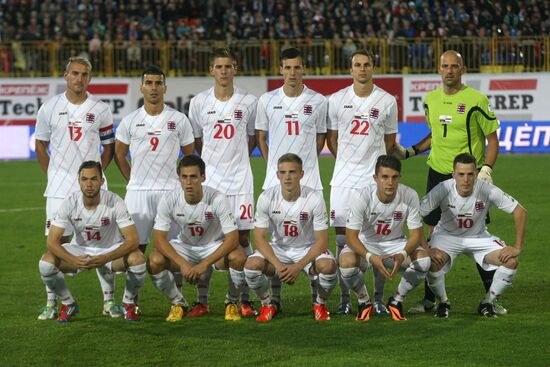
column 438, row 258
column 485, row 174
column 81, row 262
column 507, row 253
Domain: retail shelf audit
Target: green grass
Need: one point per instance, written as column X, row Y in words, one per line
column 295, row 339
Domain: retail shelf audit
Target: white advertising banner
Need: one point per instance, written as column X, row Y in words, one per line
column 514, row 97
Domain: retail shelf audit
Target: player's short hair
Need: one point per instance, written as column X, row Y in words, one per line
column 79, row 60
column 91, row 164
column 222, row 52
column 190, row 161
column 290, row 158
column 290, row 53
column 365, row 52
column 153, row 70
column 387, row 161
column 464, row 158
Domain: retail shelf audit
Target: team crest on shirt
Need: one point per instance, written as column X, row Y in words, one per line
column 480, row 205
column 238, row 114
column 208, row 215
column 398, row 215
column 374, row 113
column 90, row 118
column 304, row 216
column 171, row 125
column 461, row 108
column 105, row 221
column 308, row 109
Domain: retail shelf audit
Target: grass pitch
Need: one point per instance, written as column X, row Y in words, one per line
column 294, row 339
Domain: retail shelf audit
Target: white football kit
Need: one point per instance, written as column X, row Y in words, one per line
column 292, row 125
column 75, row 133
column 155, row 143
column 362, row 124
column 225, row 127
column 461, row 228
column 202, row 227
column 381, row 225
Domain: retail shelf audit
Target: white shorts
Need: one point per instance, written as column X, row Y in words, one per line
column 243, row 210
column 339, row 205
column 142, row 205
column 52, row 205
column 382, row 248
column 475, row 248
column 77, row 250
column 194, row 254
column 291, row 255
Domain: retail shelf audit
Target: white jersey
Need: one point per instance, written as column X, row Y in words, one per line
column 202, row 224
column 383, row 222
column 155, row 143
column 94, row 228
column 293, row 223
column 224, row 127
column 293, row 125
column 75, row 133
column 465, row 216
column 361, row 124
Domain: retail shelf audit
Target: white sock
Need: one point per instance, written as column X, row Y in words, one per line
column 325, row 285
column 355, row 280
column 50, row 296
column 436, row 281
column 107, row 280
column 501, row 281
column 237, row 280
column 54, row 279
column 164, row 282
column 203, row 286
column 257, row 281
column 135, row 276
column 344, row 290
column 412, row 277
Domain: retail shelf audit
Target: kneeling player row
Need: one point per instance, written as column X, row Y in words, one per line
column 296, row 217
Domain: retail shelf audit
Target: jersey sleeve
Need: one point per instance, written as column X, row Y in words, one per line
column 321, row 118
column 63, row 216
column 122, row 132
column 164, row 214
column 432, row 199
column 332, row 114
column 262, row 120
column 261, row 219
column 486, row 118
column 357, row 209
column 224, row 214
column 106, row 129
column 413, row 219
column 390, row 126
column 123, row 217
column 186, row 132
column 194, row 117
column 501, row 200
column 43, row 130
column 320, row 220
column 251, row 126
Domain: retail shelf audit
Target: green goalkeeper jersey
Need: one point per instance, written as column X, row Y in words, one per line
column 459, row 124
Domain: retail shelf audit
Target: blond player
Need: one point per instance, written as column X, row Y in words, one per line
column 223, row 125
column 73, row 125
column 362, row 124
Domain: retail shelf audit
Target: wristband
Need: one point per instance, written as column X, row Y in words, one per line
column 488, row 165
column 416, row 151
column 367, row 256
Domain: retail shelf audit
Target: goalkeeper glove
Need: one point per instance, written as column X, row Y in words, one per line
column 485, row 174
column 401, row 153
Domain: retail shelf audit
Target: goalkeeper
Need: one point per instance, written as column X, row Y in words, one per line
column 460, row 119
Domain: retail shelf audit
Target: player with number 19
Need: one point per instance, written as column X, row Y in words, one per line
column 154, row 135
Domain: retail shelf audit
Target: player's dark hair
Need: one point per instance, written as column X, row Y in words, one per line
column 387, row 161
column 291, row 158
column 222, row 53
column 290, row 53
column 153, row 70
column 91, row 164
column 465, row 158
column 190, row 161
column 364, row 52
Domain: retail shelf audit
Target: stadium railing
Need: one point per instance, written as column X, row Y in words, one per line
column 260, row 57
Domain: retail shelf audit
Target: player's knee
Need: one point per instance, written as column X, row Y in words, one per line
column 236, row 258
column 155, row 262
column 422, row 264
column 325, row 266
column 347, row 260
column 47, row 268
column 136, row 258
column 254, row 263
column 512, row 263
column 48, row 257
